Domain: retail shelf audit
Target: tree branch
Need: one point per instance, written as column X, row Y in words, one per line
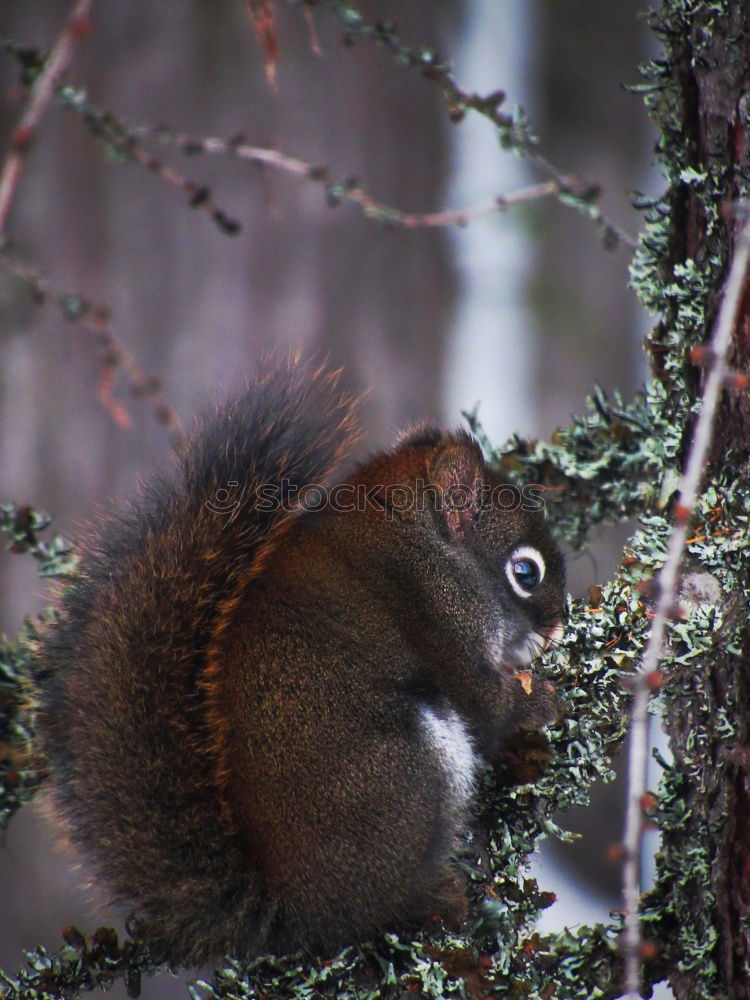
column 347, row 190
column 513, row 131
column 570, row 189
column 77, row 26
column 721, row 342
column 112, row 354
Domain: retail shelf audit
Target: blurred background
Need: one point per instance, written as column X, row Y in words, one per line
column 521, row 312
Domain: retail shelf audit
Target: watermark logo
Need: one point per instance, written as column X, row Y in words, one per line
column 392, row 500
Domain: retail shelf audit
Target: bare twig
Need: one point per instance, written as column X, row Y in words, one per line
column 124, row 141
column 44, row 87
column 514, row 132
column 112, row 355
column 721, row 341
column 263, row 20
column 199, row 195
column 117, row 136
column 348, row 190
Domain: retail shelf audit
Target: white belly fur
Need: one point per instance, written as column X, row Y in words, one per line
column 449, row 739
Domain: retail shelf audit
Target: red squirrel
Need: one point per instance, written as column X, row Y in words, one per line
column 268, row 693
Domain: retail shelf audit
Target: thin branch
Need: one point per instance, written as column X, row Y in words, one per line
column 116, row 135
column 263, row 20
column 124, row 141
column 348, row 190
column 77, row 26
column 113, row 356
column 720, row 346
column 513, row 132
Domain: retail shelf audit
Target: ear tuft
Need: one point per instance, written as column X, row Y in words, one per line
column 419, row 435
column 457, row 470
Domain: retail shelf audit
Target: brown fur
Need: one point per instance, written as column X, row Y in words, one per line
column 233, row 703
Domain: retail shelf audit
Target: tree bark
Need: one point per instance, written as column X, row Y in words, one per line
column 708, row 66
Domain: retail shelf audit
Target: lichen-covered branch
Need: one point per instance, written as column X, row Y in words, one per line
column 696, row 94
column 667, row 581
column 83, row 963
column 604, row 467
column 19, row 766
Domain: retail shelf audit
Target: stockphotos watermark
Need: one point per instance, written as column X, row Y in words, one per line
column 393, row 500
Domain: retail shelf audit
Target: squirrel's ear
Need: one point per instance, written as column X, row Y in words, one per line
column 419, row 435
column 457, row 470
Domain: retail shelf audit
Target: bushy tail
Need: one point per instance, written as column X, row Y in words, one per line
column 122, row 719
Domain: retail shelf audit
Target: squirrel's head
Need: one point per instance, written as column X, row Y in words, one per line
column 487, row 555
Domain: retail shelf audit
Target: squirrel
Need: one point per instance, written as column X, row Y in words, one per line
column 267, row 695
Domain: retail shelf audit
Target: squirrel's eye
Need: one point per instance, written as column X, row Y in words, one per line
column 525, row 570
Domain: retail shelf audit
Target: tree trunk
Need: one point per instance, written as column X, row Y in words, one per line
column 704, row 867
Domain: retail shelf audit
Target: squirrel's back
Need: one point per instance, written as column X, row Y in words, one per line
column 121, row 715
